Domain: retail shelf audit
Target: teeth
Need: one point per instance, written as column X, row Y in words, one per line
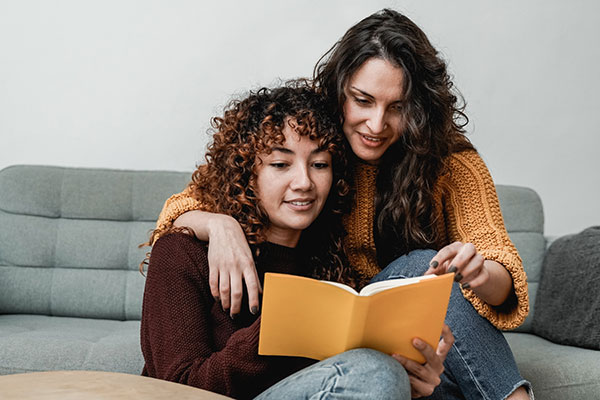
column 300, row 203
column 370, row 139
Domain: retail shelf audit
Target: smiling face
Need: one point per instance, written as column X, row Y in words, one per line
column 292, row 184
column 373, row 109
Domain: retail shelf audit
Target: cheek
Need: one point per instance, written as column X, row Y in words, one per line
column 349, row 122
column 351, row 113
column 400, row 126
column 324, row 185
column 263, row 186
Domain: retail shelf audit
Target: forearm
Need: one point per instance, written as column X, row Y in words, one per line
column 207, row 225
column 499, row 285
column 197, row 221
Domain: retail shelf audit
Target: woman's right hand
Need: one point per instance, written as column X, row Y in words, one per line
column 230, row 260
column 424, row 378
column 231, row 264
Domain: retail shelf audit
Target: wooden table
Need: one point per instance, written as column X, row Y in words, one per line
column 95, row 385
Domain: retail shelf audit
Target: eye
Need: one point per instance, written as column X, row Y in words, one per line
column 398, row 107
column 321, row 165
column 279, row 165
column 361, row 101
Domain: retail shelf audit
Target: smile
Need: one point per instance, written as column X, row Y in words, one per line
column 300, row 203
column 371, row 139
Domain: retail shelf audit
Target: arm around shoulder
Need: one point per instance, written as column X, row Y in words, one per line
column 174, row 207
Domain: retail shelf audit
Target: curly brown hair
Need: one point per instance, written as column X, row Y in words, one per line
column 433, row 114
column 226, row 183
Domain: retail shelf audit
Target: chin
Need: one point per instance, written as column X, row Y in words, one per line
column 367, row 155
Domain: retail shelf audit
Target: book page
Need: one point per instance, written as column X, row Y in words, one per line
column 342, row 286
column 384, row 285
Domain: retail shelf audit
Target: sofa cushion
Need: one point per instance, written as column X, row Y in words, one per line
column 41, row 343
column 556, row 372
column 568, row 301
column 69, row 238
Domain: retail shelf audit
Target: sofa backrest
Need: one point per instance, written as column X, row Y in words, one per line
column 524, row 219
column 69, row 238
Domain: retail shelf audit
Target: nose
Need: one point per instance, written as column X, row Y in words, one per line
column 301, row 179
column 377, row 120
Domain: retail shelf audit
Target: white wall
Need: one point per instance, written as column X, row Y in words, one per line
column 132, row 84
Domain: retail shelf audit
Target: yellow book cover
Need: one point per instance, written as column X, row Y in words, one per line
column 318, row 319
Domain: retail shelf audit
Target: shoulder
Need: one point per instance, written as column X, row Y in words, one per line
column 179, row 252
column 465, row 168
column 464, row 160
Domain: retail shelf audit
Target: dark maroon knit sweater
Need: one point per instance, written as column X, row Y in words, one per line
column 186, row 336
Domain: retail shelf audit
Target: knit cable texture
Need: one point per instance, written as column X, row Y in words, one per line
column 175, row 206
column 359, row 244
column 468, row 210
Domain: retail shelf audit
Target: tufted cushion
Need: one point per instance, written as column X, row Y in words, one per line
column 42, row 343
column 69, row 238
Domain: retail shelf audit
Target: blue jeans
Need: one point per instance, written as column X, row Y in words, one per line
column 480, row 364
column 354, row 375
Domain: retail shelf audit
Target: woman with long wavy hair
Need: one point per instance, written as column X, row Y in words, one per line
column 277, row 165
column 423, row 202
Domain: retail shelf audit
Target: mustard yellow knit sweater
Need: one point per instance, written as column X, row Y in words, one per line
column 466, row 208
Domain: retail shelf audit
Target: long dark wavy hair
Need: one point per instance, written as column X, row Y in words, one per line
column 227, row 182
column 433, row 117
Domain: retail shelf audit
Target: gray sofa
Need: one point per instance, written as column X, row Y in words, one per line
column 71, row 292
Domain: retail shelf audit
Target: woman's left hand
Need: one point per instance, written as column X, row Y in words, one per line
column 487, row 278
column 464, row 260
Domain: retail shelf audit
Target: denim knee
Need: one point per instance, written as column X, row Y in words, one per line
column 408, row 265
column 376, row 373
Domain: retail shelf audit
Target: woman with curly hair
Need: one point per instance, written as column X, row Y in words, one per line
column 275, row 156
column 423, row 202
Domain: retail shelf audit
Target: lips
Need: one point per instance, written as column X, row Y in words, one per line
column 300, row 204
column 371, row 141
column 371, row 138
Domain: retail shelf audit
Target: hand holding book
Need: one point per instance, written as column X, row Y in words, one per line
column 424, row 378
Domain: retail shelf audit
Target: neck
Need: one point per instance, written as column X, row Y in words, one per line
column 283, row 237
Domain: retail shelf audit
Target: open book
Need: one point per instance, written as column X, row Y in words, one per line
column 317, row 319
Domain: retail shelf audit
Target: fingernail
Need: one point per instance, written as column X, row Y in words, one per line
column 254, row 310
column 418, row 343
column 465, row 285
column 234, row 316
column 433, row 264
column 226, row 310
column 452, row 269
column 217, row 299
column 458, row 277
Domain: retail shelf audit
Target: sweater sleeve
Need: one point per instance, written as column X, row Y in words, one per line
column 471, row 214
column 175, row 206
column 177, row 331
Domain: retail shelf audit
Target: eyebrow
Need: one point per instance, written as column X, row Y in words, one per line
column 362, row 92
column 288, row 151
column 369, row 95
